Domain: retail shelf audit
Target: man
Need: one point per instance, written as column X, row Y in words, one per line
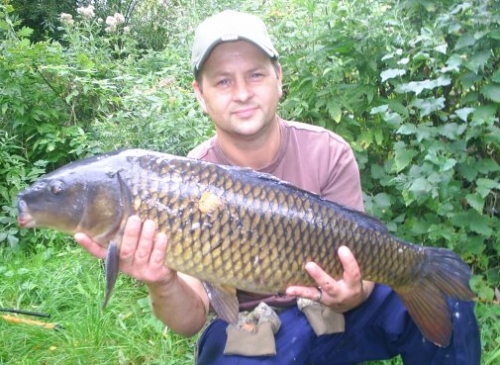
column 238, row 84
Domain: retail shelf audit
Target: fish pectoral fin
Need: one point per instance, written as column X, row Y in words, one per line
column 111, row 267
column 223, row 300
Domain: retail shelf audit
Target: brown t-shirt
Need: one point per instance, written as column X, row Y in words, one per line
column 311, row 158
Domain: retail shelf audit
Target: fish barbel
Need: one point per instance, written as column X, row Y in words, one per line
column 235, row 228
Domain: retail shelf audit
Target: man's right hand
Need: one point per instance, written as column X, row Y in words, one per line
column 142, row 251
column 179, row 300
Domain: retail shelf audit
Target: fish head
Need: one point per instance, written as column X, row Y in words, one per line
column 85, row 196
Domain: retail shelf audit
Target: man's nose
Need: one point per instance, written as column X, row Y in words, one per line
column 242, row 90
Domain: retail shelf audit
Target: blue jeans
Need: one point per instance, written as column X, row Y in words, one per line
column 378, row 329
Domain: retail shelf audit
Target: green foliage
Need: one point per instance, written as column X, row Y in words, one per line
column 14, row 176
column 446, row 155
column 32, row 108
column 420, row 107
column 41, row 15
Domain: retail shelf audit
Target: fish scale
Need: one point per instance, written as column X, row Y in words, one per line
column 260, row 226
column 235, row 228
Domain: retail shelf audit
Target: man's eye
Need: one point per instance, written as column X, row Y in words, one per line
column 223, row 82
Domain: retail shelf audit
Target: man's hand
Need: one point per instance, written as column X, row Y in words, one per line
column 178, row 300
column 142, row 251
column 341, row 295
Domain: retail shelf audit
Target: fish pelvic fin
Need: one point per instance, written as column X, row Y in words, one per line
column 444, row 275
column 224, row 301
column 111, row 267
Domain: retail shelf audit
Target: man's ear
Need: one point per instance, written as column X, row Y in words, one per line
column 199, row 95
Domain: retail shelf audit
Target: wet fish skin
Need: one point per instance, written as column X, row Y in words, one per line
column 236, row 228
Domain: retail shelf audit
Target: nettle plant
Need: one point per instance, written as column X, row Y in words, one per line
column 442, row 112
column 418, row 99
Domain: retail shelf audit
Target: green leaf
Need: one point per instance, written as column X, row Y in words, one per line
column 13, row 240
column 429, row 105
column 379, row 136
column 479, row 60
column 403, row 156
column 393, row 119
column 418, row 86
column 334, row 110
column 25, row 32
column 420, row 186
column 392, row 73
column 483, row 290
column 493, row 136
column 365, row 138
column 407, row 129
column 449, row 164
column 469, row 79
column 473, row 245
column 474, row 220
column 453, row 63
column 383, row 200
column 487, row 166
column 491, row 92
column 442, row 48
column 475, row 201
column 452, row 130
column 379, row 109
column 484, row 114
column 463, row 113
column 484, row 186
column 465, row 40
column 495, row 34
column 496, row 76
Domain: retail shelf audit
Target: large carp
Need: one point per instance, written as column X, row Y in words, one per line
column 234, row 227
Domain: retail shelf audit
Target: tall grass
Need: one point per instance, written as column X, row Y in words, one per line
column 68, row 284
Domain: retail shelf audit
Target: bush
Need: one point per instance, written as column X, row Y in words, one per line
column 420, row 106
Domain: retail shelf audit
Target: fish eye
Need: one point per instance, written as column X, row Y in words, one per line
column 56, row 187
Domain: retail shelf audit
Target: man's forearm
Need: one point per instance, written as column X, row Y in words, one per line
column 181, row 304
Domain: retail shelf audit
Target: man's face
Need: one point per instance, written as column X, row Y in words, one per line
column 239, row 88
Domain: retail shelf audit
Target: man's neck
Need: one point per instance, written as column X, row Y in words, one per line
column 255, row 152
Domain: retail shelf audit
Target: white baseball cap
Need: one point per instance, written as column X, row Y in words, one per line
column 229, row 26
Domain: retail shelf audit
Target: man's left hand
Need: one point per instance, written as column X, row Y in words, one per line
column 341, row 295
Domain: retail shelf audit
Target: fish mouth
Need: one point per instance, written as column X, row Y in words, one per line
column 24, row 218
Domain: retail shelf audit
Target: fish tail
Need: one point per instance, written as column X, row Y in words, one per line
column 443, row 275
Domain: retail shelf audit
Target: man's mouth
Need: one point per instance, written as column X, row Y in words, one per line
column 245, row 112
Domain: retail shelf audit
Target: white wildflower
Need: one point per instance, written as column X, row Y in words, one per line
column 126, row 30
column 111, row 21
column 119, row 18
column 87, row 12
column 66, row 19
column 110, row 29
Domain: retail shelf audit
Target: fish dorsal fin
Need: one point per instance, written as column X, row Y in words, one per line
column 223, row 300
column 369, row 220
column 258, row 175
